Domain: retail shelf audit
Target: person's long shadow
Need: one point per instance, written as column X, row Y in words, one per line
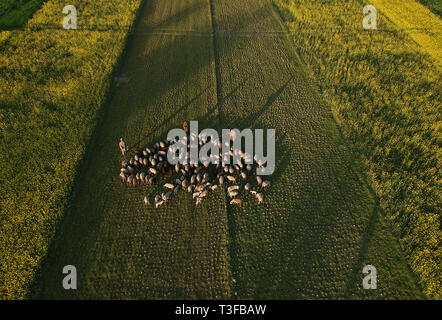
column 166, row 121
column 355, row 277
column 253, row 117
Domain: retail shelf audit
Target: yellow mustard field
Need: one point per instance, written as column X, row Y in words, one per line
column 418, row 21
column 53, row 83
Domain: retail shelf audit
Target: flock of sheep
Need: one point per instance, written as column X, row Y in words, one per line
column 146, row 166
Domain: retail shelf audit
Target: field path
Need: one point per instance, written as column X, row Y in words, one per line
column 320, row 223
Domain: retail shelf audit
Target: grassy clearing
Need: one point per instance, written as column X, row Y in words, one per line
column 320, row 223
column 15, row 13
column 124, row 249
column 386, row 94
column 56, row 83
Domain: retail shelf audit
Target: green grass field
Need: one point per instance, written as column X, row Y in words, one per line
column 226, row 64
column 14, row 13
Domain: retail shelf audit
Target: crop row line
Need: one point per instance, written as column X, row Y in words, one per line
column 220, row 101
column 208, row 33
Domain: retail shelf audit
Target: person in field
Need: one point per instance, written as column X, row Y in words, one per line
column 123, row 147
column 186, row 127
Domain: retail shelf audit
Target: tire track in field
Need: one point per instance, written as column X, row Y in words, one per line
column 220, row 100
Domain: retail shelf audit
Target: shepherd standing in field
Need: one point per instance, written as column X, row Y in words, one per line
column 123, row 147
column 186, row 127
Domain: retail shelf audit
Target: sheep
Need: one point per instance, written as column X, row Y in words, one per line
column 204, row 193
column 233, row 194
column 236, row 201
column 260, row 198
column 166, row 196
column 231, row 178
column 124, row 170
column 193, row 176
